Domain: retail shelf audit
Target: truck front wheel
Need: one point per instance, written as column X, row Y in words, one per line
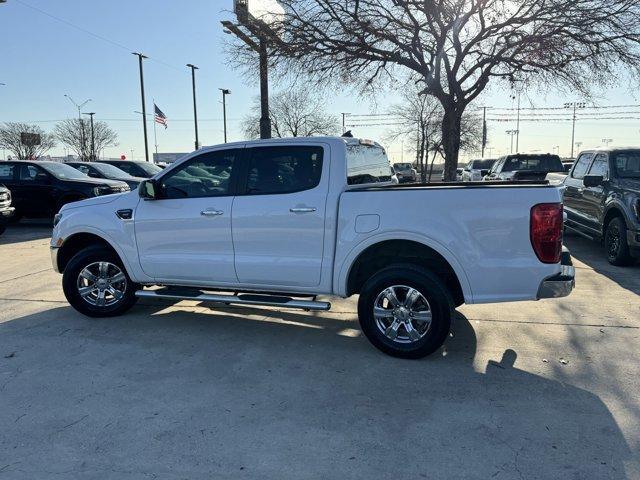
column 97, row 285
column 405, row 311
column 615, row 242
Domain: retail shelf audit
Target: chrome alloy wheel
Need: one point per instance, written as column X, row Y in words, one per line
column 102, row 284
column 402, row 314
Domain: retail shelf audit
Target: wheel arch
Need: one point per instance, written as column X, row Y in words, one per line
column 79, row 241
column 369, row 257
column 614, row 210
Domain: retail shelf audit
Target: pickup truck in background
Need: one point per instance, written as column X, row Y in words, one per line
column 476, row 170
column 523, row 166
column 279, row 222
column 405, row 172
column 602, row 201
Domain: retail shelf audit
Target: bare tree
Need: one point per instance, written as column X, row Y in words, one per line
column 76, row 134
column 294, row 113
column 418, row 119
column 455, row 48
column 11, row 139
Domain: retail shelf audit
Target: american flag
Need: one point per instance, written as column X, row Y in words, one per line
column 160, row 117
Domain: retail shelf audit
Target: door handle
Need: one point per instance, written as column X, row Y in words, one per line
column 211, row 213
column 303, row 210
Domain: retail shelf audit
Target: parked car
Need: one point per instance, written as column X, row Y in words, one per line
column 405, row 172
column 602, row 201
column 314, row 216
column 6, row 210
column 105, row 170
column 476, row 170
column 40, row 188
column 524, row 167
column 133, row 168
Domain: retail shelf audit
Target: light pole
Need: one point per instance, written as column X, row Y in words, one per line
column 141, row 57
column 195, row 109
column 80, row 124
column 225, row 92
column 574, row 106
column 578, row 145
column 512, row 133
column 92, row 156
column 344, row 121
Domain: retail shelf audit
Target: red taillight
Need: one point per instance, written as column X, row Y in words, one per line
column 546, row 231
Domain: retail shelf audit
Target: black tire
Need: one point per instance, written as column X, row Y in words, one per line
column 615, row 243
column 87, row 257
column 430, row 287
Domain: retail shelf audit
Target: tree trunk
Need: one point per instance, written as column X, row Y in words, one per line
column 451, row 123
column 433, row 159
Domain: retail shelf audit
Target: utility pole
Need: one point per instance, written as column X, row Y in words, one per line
column 80, row 124
column 574, row 106
column 195, row 108
column 144, row 107
column 92, row 156
column 225, row 92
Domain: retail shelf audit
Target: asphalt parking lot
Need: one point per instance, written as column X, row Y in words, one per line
column 531, row 390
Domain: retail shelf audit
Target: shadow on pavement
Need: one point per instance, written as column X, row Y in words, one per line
column 255, row 393
column 26, row 230
column 592, row 253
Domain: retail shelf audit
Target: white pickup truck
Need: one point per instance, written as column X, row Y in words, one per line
column 278, row 222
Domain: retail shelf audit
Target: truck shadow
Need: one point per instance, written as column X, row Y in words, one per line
column 26, row 230
column 592, row 254
column 183, row 393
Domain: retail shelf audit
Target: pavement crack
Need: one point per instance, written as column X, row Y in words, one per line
column 26, row 275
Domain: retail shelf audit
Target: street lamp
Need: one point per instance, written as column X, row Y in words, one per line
column 574, row 106
column 225, row 92
column 141, row 57
column 512, row 133
column 195, row 109
column 80, row 124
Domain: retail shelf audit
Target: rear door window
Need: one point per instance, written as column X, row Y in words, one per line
column 286, row 169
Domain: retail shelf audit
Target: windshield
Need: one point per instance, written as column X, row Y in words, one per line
column 482, row 164
column 150, row 168
column 367, row 164
column 547, row 163
column 110, row 171
column 62, row 171
column 627, row 164
column 402, row 166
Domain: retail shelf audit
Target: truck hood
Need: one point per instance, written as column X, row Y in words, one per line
column 101, row 200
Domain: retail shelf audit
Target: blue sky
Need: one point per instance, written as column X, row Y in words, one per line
column 43, row 59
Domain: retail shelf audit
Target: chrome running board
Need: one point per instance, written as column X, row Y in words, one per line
column 238, row 299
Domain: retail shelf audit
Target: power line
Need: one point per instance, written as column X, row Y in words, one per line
column 93, row 34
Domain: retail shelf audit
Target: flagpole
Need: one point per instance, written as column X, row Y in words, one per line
column 155, row 125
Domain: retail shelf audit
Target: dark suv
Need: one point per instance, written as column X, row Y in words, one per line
column 40, row 189
column 602, row 201
column 524, row 167
column 135, row 169
column 105, row 170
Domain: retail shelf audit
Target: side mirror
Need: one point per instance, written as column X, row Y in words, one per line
column 592, row 180
column 147, row 190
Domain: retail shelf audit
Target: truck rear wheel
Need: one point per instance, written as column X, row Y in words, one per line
column 405, row 311
column 97, row 285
